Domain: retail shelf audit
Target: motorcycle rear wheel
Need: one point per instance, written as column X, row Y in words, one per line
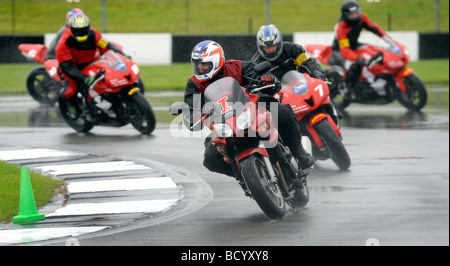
column 42, row 87
column 416, row 95
column 142, row 116
column 266, row 194
column 334, row 146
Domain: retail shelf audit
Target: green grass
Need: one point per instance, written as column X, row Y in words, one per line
column 434, row 73
column 44, row 188
column 216, row 16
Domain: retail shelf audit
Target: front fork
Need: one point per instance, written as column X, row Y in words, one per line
column 312, row 131
column 399, row 78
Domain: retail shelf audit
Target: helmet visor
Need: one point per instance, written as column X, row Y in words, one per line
column 201, row 68
column 271, row 50
column 80, row 31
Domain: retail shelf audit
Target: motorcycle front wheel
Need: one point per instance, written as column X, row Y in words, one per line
column 79, row 122
column 141, row 114
column 416, row 95
column 266, row 193
column 334, row 146
column 42, row 87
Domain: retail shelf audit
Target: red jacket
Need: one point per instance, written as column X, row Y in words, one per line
column 73, row 56
column 347, row 36
column 232, row 68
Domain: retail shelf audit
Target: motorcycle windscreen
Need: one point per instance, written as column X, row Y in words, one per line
column 225, row 95
column 111, row 59
column 295, row 82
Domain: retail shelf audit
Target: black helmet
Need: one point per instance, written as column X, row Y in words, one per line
column 351, row 12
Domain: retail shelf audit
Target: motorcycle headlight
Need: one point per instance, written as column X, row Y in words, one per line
column 223, row 130
column 244, row 120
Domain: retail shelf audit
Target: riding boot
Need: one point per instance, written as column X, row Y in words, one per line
column 71, row 106
column 305, row 159
column 351, row 81
column 292, row 135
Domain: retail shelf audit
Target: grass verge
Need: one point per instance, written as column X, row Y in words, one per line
column 44, row 188
column 434, row 73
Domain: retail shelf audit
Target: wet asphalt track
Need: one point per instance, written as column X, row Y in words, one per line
column 395, row 193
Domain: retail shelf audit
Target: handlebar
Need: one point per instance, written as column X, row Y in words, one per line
column 99, row 76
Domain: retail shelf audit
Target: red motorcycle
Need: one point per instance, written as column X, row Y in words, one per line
column 316, row 115
column 381, row 82
column 44, row 83
column 243, row 132
column 113, row 99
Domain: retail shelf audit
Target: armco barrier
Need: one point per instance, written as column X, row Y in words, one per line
column 433, row 45
column 165, row 48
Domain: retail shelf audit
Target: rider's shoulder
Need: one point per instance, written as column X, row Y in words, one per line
column 288, row 46
column 364, row 17
column 342, row 24
column 291, row 49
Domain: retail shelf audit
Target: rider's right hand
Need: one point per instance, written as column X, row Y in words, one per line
column 268, row 80
column 87, row 82
column 361, row 61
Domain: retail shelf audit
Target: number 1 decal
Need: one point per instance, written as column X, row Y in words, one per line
column 223, row 103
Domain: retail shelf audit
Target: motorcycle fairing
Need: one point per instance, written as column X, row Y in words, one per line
column 316, row 119
column 399, row 78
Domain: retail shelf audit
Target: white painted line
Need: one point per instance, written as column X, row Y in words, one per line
column 145, row 206
column 121, row 184
column 90, row 167
column 38, row 234
column 33, row 154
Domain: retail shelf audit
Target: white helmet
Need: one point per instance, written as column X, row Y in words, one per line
column 207, row 59
column 269, row 36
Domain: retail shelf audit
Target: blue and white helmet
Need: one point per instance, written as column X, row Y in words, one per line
column 269, row 36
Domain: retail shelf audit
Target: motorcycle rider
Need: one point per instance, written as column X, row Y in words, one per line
column 345, row 44
column 76, row 49
column 208, row 64
column 51, row 52
column 272, row 48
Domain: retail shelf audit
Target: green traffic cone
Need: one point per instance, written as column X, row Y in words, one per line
column 27, row 207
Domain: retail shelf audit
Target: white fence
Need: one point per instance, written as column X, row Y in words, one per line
column 408, row 38
column 144, row 48
column 156, row 48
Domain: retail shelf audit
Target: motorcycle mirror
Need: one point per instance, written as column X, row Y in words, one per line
column 262, row 67
column 177, row 108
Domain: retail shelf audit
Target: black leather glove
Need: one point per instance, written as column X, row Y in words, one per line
column 267, row 80
column 376, row 59
column 361, row 61
column 319, row 75
column 84, row 86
